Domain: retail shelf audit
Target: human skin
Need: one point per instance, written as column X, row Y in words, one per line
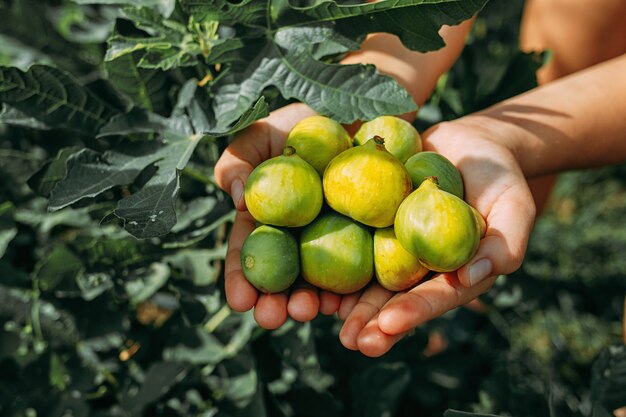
column 533, row 132
column 545, row 131
column 266, row 138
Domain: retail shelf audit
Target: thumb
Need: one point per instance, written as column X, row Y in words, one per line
column 502, row 250
column 258, row 142
column 247, row 150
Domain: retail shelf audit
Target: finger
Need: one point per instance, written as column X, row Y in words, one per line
column 372, row 342
column 304, row 302
column 367, row 307
column 258, row 142
column 270, row 311
column 240, row 294
column 502, row 249
column 347, row 304
column 427, row 301
column 329, row 302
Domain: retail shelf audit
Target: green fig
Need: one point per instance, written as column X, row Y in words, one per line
column 367, row 183
column 480, row 222
column 317, row 140
column 437, row 227
column 433, row 164
column 401, row 139
column 284, row 191
column 396, row 269
column 269, row 259
column 337, row 254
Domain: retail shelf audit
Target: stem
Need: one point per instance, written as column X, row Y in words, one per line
column 198, row 176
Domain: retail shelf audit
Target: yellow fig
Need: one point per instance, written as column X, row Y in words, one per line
column 367, row 183
column 396, row 269
column 317, row 140
column 401, row 139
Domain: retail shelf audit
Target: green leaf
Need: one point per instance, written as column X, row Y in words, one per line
column 159, row 379
column 197, row 265
column 93, row 284
column 415, row 22
column 165, row 7
column 59, row 270
column 90, row 173
column 44, row 180
column 171, row 44
column 140, row 121
column 145, row 88
column 27, row 23
column 145, row 286
column 8, row 230
column 247, row 12
column 12, row 116
column 343, row 92
column 150, row 212
column 54, row 98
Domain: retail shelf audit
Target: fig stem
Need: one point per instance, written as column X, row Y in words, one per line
column 378, row 139
column 433, row 179
column 289, row 150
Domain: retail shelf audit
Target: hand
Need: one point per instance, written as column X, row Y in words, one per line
column 495, row 185
column 260, row 141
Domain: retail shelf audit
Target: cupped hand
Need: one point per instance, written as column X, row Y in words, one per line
column 260, row 141
column 496, row 187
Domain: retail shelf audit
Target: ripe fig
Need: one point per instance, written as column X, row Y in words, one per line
column 480, row 222
column 401, row 138
column 367, row 183
column 337, row 254
column 269, row 259
column 437, row 227
column 433, row 164
column 284, row 191
column 318, row 139
column 396, row 269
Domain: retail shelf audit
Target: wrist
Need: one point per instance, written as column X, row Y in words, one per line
column 508, row 132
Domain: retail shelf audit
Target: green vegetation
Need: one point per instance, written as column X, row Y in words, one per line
column 113, row 233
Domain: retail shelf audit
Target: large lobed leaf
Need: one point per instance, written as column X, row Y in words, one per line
column 54, row 98
column 343, row 92
column 416, row 22
column 150, row 211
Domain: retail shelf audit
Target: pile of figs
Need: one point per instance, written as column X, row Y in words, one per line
column 338, row 211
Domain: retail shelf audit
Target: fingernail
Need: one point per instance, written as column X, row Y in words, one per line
column 236, row 191
column 479, row 270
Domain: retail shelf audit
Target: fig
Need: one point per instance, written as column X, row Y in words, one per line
column 433, row 164
column 284, row 191
column 401, row 138
column 317, row 140
column 269, row 259
column 367, row 183
column 337, row 254
column 395, row 268
column 480, row 222
column 437, row 227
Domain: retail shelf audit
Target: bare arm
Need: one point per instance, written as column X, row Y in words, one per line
column 415, row 71
column 576, row 122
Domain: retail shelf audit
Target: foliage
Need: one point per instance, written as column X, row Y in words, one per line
column 117, row 110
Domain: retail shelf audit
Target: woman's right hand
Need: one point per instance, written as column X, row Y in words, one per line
column 260, row 141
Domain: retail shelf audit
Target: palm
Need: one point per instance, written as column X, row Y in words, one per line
column 259, row 142
column 495, row 186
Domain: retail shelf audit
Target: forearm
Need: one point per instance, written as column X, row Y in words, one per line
column 415, row 71
column 575, row 122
